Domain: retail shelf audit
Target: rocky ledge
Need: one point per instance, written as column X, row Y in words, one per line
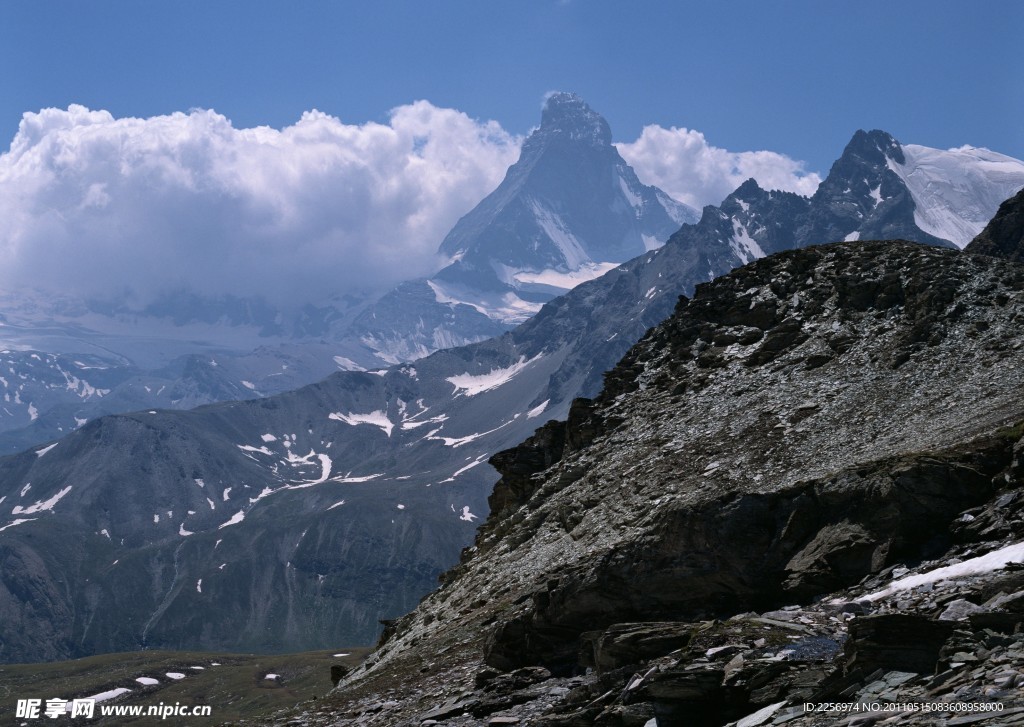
column 803, row 487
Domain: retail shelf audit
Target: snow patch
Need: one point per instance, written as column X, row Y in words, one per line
column 347, row 364
column 563, row 280
column 17, row 521
column 44, row 450
column 473, row 384
column 467, row 515
column 250, row 448
column 876, row 194
column 41, row 505
column 455, row 442
column 147, row 681
column 235, row 519
column 507, row 308
column 377, row 418
column 745, row 246
column 537, row 410
column 479, row 460
column 412, row 424
column 651, row 242
column 573, row 252
column 104, row 696
column 982, row 564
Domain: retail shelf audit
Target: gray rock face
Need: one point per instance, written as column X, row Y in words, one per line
column 1004, row 235
column 863, row 196
column 880, row 402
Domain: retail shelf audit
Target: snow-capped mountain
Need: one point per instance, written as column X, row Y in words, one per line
column 568, row 211
column 877, row 189
column 303, row 518
column 65, row 361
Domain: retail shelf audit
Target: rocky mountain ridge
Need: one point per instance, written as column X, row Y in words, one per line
column 818, row 419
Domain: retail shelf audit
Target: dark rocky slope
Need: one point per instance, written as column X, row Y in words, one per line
column 1004, row 235
column 804, row 425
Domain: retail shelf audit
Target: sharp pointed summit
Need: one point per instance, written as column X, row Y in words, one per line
column 567, row 116
column 569, row 207
column 568, row 210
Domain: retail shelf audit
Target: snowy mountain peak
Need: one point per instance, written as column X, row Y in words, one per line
column 875, row 145
column 948, row 194
column 568, row 211
column 569, row 116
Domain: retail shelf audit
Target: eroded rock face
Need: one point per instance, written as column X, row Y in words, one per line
column 1004, row 235
column 806, row 424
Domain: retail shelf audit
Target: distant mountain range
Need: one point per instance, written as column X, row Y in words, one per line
column 569, row 210
column 302, row 519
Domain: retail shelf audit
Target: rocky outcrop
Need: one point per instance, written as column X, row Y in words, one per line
column 756, row 550
column 1004, row 235
column 763, row 469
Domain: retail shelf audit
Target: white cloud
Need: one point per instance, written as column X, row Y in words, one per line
column 91, row 204
column 687, row 167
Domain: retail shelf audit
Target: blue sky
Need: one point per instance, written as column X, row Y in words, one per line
column 795, row 77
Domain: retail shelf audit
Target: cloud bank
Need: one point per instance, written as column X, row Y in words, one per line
column 97, row 206
column 683, row 164
column 90, row 204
